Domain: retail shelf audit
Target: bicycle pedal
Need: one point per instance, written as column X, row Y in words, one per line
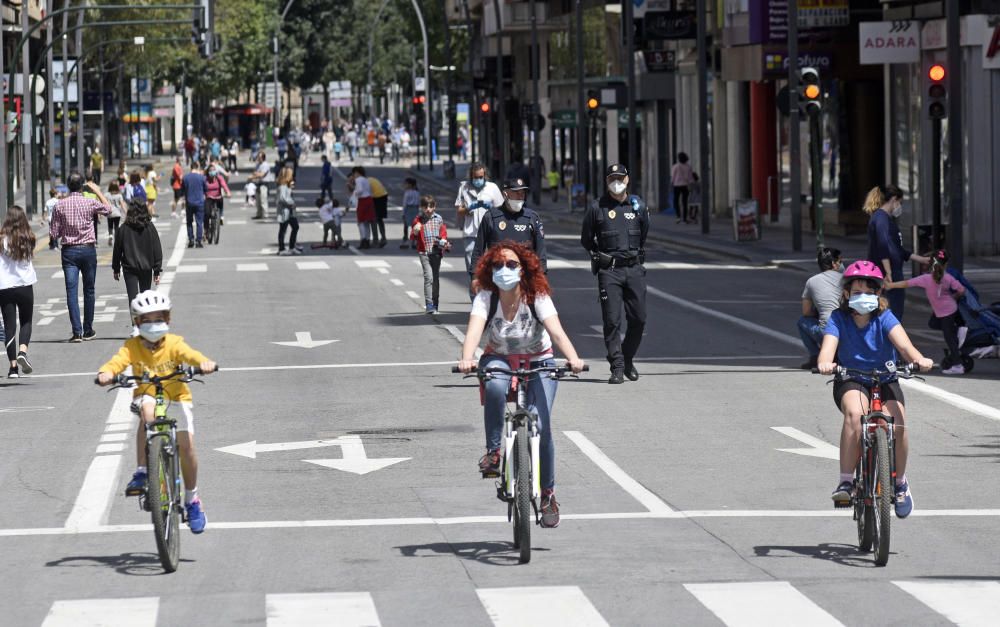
column 841, row 504
column 490, row 475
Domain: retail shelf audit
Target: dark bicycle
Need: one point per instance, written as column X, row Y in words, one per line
column 213, row 225
column 519, row 485
column 164, row 496
column 874, row 493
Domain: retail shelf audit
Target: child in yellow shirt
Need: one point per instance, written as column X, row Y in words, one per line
column 158, row 352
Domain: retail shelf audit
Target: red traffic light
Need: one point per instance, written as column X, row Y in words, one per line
column 936, row 73
column 485, row 107
column 419, row 100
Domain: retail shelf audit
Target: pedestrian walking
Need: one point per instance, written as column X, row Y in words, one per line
column 476, row 196
column 122, row 175
column 189, row 149
column 380, row 199
column 117, row 205
column 17, row 292
column 135, row 188
column 681, row 178
column 234, row 151
column 511, row 221
column 326, row 178
column 137, row 254
column 176, row 178
column 411, row 209
column 884, row 204
column 431, row 236
column 151, row 179
column 331, row 214
column 820, row 298
column 364, row 203
column 286, row 213
column 96, row 164
column 282, row 146
column 614, row 233
column 553, row 177
column 73, row 224
column 262, row 177
column 195, row 192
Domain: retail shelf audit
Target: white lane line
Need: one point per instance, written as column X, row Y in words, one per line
column 114, row 437
column 961, row 402
column 251, row 267
column 382, row 270
column 192, row 268
column 413, row 295
column 129, row 612
column 312, row 265
column 396, row 282
column 967, row 603
column 760, row 604
column 115, row 447
column 817, row 447
column 540, row 605
column 373, row 263
column 178, row 252
column 235, row 222
column 94, row 499
column 340, row 609
column 638, row 491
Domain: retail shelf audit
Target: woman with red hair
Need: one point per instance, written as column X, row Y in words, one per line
column 523, row 327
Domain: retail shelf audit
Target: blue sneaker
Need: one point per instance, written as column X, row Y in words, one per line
column 137, row 486
column 196, row 517
column 904, row 500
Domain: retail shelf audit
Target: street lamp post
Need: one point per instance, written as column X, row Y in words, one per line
column 277, row 89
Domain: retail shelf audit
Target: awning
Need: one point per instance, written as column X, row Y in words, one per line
column 248, row 109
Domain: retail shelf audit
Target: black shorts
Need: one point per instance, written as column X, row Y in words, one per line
column 178, row 194
column 890, row 391
column 381, row 207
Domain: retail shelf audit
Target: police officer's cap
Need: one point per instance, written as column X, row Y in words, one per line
column 616, row 169
column 515, row 184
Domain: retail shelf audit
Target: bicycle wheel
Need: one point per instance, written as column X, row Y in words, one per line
column 218, row 231
column 862, row 513
column 163, row 503
column 522, row 494
column 210, row 226
column 882, row 497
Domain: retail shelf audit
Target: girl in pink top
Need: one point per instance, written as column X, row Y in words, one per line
column 942, row 291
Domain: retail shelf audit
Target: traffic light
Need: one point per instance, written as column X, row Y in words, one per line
column 484, row 107
column 593, row 100
column 937, row 93
column 810, row 91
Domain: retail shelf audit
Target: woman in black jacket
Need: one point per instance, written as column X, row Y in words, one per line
column 137, row 251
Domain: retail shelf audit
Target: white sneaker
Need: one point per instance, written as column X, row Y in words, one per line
column 962, row 333
column 296, row 251
column 956, row 369
column 284, row 253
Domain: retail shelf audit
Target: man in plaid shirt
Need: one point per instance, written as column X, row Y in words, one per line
column 72, row 222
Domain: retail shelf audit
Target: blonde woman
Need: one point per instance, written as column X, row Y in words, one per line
column 151, row 179
column 884, row 204
column 286, row 213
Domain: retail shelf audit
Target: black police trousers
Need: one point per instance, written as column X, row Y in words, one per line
column 622, row 287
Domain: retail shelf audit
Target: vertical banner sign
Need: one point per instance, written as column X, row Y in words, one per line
column 60, row 80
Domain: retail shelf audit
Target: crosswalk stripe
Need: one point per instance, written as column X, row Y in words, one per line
column 135, row 612
column 760, row 604
column 333, row 609
column 444, row 264
column 312, row 265
column 251, row 267
column 193, row 268
column 540, row 605
column 967, row 603
column 374, row 263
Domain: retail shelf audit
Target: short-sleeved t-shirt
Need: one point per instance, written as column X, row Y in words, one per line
column 523, row 335
column 939, row 294
column 867, row 348
column 823, row 290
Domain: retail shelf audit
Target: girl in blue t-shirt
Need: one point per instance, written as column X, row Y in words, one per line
column 864, row 334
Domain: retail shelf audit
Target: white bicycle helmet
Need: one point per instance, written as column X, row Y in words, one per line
column 148, row 302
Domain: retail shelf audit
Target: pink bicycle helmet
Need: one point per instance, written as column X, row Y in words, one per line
column 863, row 269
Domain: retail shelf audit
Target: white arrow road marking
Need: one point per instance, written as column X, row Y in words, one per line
column 303, row 339
column 354, row 459
column 251, row 448
column 818, row 448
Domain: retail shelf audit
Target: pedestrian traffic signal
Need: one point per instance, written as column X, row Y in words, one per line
column 810, row 91
column 485, row 107
column 937, row 93
column 593, row 100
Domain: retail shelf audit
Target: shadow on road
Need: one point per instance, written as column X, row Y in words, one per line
column 844, row 554
column 489, row 552
column 134, row 564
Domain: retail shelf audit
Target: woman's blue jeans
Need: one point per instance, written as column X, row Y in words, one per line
column 541, row 394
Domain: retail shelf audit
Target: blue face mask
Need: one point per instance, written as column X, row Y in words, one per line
column 863, row 303
column 153, row 331
column 506, row 278
column 478, row 183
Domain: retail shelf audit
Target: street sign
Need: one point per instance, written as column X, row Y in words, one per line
column 669, row 25
column 660, row 60
column 59, row 80
column 889, row 42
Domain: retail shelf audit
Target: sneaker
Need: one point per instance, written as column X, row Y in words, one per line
column 190, row 243
column 843, row 492
column 196, row 517
column 89, row 335
column 111, row 242
column 75, row 339
column 904, row 500
column 429, row 307
column 956, row 369
column 298, row 247
column 198, row 244
column 296, row 251
column 617, row 377
column 631, row 372
column 489, row 464
column 173, row 214
column 221, row 220
column 284, row 253
column 12, row 373
column 22, row 360
column 550, row 510
column 137, row 486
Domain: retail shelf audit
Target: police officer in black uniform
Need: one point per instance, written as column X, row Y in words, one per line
column 511, row 221
column 614, row 233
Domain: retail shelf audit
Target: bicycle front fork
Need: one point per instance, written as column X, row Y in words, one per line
column 534, row 444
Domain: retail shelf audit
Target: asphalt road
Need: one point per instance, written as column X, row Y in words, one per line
column 681, row 501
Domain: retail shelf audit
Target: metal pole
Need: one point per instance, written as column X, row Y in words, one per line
column 50, row 105
column 64, row 125
column 582, row 171
column 7, row 195
column 629, row 26
column 474, row 114
column 427, row 82
column 450, row 111
column 816, row 176
column 501, row 144
column 703, row 146
column 277, row 90
column 27, row 119
column 536, row 166
column 100, row 88
column 935, row 183
column 795, row 187
column 78, row 49
column 956, row 166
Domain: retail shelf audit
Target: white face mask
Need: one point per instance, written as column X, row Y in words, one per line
column 153, row 331
column 515, row 205
column 616, row 187
column 897, row 211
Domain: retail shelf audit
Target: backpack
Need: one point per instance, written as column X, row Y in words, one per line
column 495, row 302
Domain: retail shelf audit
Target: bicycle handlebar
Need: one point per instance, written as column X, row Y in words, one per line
column 903, row 370
column 188, row 373
column 520, row 372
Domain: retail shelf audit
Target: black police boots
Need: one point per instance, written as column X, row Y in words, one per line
column 617, row 377
column 631, row 372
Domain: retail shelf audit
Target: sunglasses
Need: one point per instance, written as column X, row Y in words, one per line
column 511, row 265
